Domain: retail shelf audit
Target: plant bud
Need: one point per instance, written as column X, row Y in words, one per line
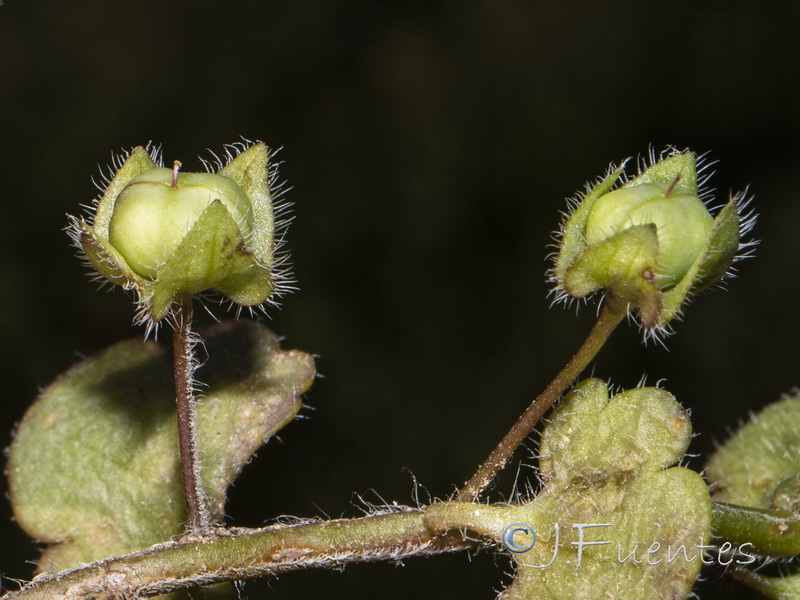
column 164, row 233
column 651, row 242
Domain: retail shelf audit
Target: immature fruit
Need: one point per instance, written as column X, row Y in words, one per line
column 650, row 243
column 164, row 233
column 152, row 216
column 683, row 224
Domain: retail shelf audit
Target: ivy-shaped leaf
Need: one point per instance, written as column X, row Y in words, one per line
column 94, row 468
column 612, row 520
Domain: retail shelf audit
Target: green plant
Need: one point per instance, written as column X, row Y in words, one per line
column 129, row 492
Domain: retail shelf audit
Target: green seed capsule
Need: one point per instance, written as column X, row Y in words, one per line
column 649, row 243
column 152, row 216
column 683, row 224
column 166, row 234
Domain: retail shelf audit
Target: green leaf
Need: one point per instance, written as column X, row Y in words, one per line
column 748, row 468
column 94, row 468
column 591, row 437
column 603, row 465
column 653, row 524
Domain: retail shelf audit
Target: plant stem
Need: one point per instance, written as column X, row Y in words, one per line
column 183, row 343
column 239, row 554
column 610, row 316
column 777, row 588
column 771, row 532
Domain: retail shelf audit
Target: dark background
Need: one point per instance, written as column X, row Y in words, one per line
column 430, row 145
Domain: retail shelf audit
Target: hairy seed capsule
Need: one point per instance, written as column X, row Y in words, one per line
column 168, row 234
column 650, row 243
column 152, row 216
column 683, row 224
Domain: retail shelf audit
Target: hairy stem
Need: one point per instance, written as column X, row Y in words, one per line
column 183, row 343
column 771, row 532
column 238, row 554
column 610, row 316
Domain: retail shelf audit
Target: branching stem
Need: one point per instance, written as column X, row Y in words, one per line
column 184, row 341
column 610, row 316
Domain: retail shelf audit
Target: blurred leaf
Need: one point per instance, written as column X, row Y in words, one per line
column 748, row 469
column 94, row 468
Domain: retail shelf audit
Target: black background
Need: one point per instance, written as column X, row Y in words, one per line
column 430, row 145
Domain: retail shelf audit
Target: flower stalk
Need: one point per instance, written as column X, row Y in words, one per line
column 183, row 344
column 610, row 316
column 170, row 235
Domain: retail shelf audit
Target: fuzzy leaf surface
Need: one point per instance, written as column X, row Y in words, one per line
column 749, row 467
column 94, row 468
column 606, row 468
